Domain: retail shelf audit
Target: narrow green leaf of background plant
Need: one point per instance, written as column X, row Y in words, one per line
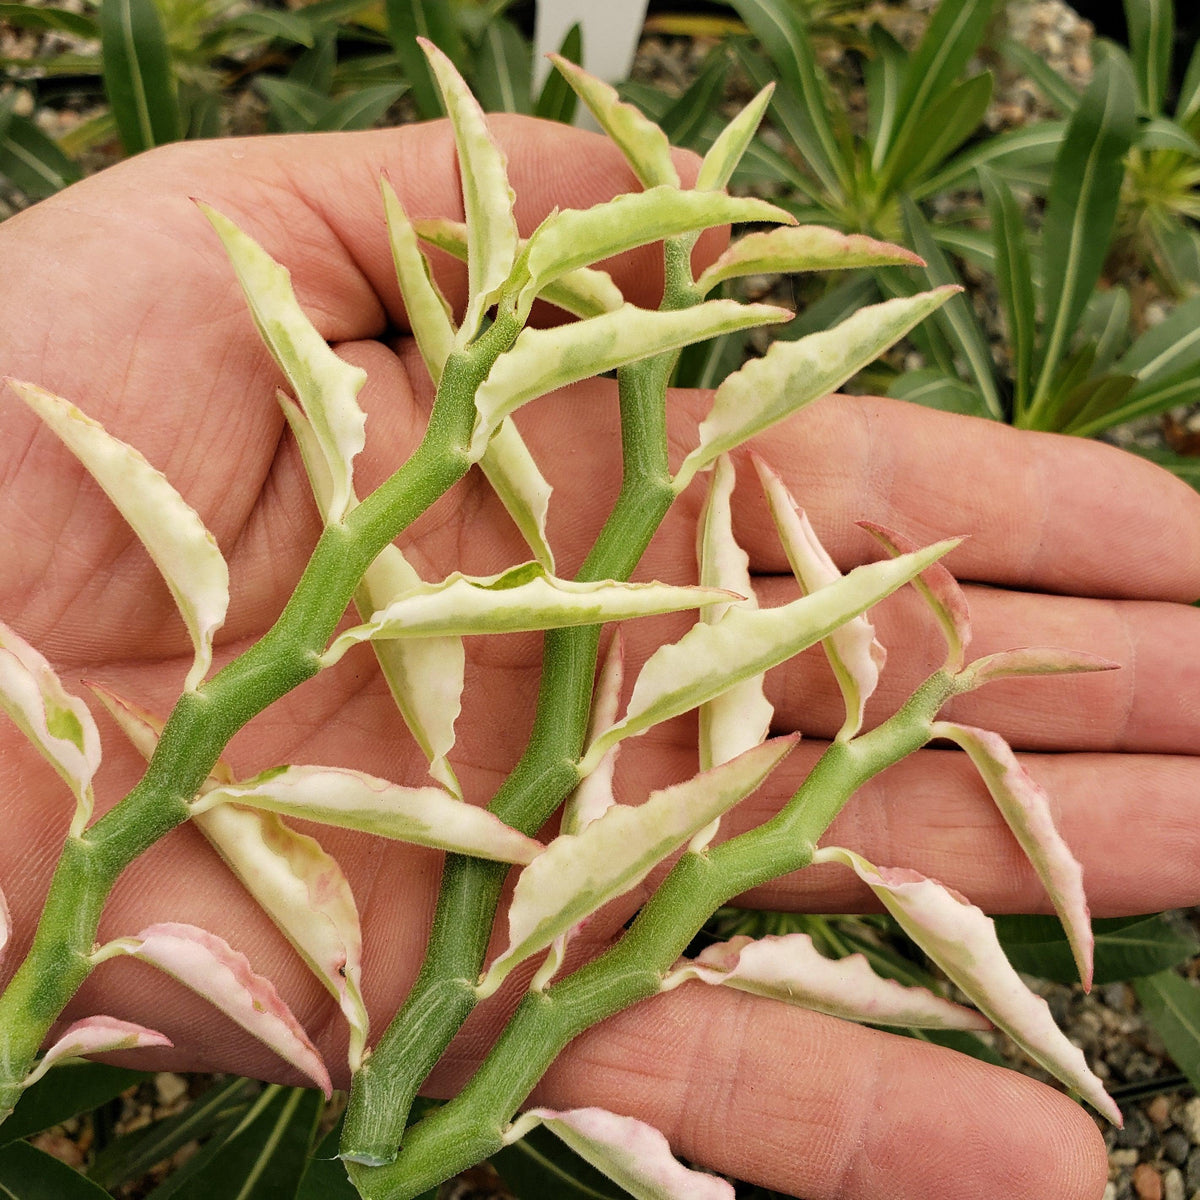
column 408, row 20
column 30, row 1174
column 139, row 78
column 1172, row 1005
column 360, row 109
column 1061, row 94
column 133, row 1154
column 557, row 100
column 265, row 1157
column 1151, row 25
column 72, row 1089
column 32, row 161
column 1080, row 212
column 684, row 121
column 503, row 68
column 883, row 73
column 57, row 20
column 1126, row 947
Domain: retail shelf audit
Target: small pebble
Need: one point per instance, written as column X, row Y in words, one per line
column 1147, row 1182
column 1159, row 1111
column 1172, row 1184
column 1176, row 1147
column 1193, row 1172
column 1122, row 1158
column 169, row 1087
column 1189, row 1122
column 1137, row 1132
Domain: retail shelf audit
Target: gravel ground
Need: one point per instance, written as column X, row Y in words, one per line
column 1157, row 1155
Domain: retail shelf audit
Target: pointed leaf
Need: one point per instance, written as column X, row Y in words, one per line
column 426, row 816
column 326, row 386
column 585, row 292
column 523, row 599
column 303, row 890
column 1172, row 1007
column 487, row 197
column 427, row 310
column 740, row 717
column 791, row 248
column 59, row 725
column 1026, row 810
column 710, row 658
column 578, row 873
column 27, row 1173
column 544, row 359
column 213, row 969
column 573, row 237
column 724, row 155
column 1033, row 660
column 516, row 478
column 793, row 374
column 184, row 551
column 790, row 968
column 852, row 649
column 632, row 1154
column 962, row 941
column 643, row 144
column 138, row 75
column 96, row 1035
column 594, row 795
column 938, row 588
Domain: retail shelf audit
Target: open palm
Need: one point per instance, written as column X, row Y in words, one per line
column 116, row 295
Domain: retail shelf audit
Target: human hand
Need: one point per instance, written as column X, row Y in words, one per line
column 118, row 297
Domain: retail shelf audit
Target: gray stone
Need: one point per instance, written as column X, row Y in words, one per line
column 1176, row 1147
column 1193, row 1171
column 1137, row 1132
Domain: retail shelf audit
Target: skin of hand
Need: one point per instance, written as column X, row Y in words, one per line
column 116, row 295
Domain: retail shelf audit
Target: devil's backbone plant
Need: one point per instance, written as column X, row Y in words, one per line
column 486, row 364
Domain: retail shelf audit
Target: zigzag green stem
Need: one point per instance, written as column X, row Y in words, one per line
column 442, row 996
column 203, row 722
column 471, row 1126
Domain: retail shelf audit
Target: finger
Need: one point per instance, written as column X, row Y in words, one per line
column 1040, row 511
column 819, row 1108
column 932, row 813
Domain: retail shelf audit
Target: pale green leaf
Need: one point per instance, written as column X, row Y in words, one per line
column 326, row 386
column 523, row 599
column 724, row 155
column 59, row 725
column 517, row 480
column 793, row 374
column 184, row 551
column 710, row 658
column 801, row 248
column 424, row 816
column 487, row 197
column 962, row 941
column 644, row 145
column 542, row 360
column 579, row 873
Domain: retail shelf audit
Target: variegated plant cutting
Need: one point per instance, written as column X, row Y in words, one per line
column 486, row 365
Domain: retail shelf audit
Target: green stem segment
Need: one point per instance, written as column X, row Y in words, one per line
column 203, row 721
column 471, row 1126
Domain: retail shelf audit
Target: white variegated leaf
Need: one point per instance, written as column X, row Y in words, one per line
column 790, row 968
column 210, row 967
column 326, row 386
column 541, row 360
column 723, row 156
column 791, row 249
column 184, row 551
column 585, row 292
column 1032, row 660
column 632, row 1154
column 940, row 591
column 644, row 145
column 303, row 890
column 518, row 481
column 794, row 373
column 522, row 599
column 594, row 795
column 1026, row 809
column 574, row 237
column 425, row 816
column 96, row 1035
column 852, row 649
column 579, row 873
column 962, row 941
column 487, row 197
column 58, row 724
column 708, row 659
column 428, row 312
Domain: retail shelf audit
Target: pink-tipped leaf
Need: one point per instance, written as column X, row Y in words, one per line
column 211, row 968
column 57, row 724
column 578, row 873
column 852, row 649
column 1025, row 807
column 96, row 1035
column 938, row 588
column 634, row 1155
column 184, row 552
column 962, row 941
column 1032, row 660
column 791, row 969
